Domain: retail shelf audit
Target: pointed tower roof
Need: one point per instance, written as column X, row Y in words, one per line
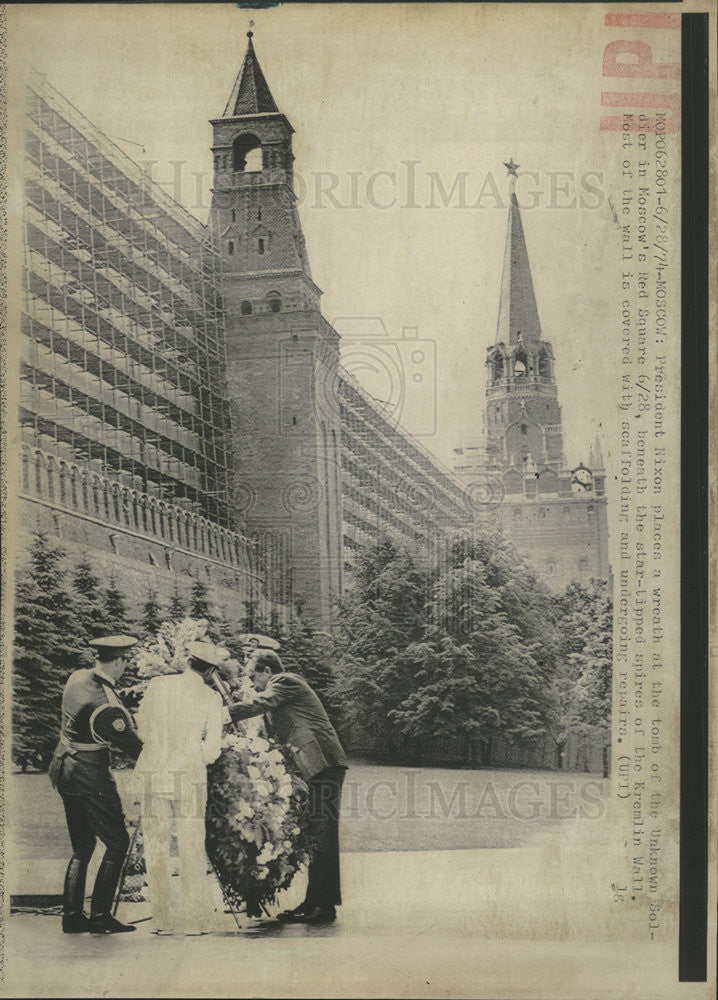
column 597, row 455
column 518, row 313
column 250, row 94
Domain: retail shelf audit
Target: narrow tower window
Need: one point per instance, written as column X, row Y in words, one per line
column 260, row 245
column 246, row 308
column 520, row 364
column 498, row 367
column 230, row 247
column 247, row 154
column 275, row 302
column 234, row 215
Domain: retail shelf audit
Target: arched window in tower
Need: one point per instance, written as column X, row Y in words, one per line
column 234, row 215
column 274, row 300
column 524, row 429
column 246, row 308
column 497, row 367
column 520, row 364
column 247, row 154
column 230, row 247
column 544, row 365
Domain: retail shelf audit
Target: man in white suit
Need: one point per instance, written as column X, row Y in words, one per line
column 180, row 722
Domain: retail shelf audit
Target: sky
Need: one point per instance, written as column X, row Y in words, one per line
column 392, row 105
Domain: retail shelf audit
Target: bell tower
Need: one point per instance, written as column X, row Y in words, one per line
column 523, row 417
column 282, row 355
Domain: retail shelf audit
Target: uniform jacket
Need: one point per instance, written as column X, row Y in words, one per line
column 180, row 723
column 86, row 772
column 296, row 717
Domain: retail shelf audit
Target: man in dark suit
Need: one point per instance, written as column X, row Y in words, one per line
column 93, row 721
column 295, row 716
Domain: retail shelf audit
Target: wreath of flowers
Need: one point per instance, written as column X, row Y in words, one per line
column 256, row 801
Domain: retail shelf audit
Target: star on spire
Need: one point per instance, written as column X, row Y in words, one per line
column 512, row 167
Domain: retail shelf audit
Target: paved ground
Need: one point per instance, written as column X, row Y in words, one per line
column 492, row 923
column 383, row 809
column 417, row 921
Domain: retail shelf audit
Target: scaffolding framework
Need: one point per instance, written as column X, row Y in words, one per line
column 123, row 355
column 389, row 482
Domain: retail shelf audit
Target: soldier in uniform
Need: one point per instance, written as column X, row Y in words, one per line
column 93, row 721
column 296, row 717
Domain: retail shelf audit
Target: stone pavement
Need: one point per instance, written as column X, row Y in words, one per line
column 528, row 922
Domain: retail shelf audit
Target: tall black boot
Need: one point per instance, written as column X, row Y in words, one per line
column 103, row 896
column 74, row 920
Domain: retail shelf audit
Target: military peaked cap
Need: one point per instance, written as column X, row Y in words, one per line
column 207, row 653
column 253, row 640
column 109, row 724
column 114, row 642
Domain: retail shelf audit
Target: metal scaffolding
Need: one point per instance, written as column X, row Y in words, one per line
column 123, row 355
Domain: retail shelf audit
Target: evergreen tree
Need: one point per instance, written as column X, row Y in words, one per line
column 305, row 652
column 89, row 605
column 455, row 649
column 254, row 620
column 152, row 616
column 114, row 605
column 200, row 605
column 116, row 621
column 475, row 677
column 579, row 696
column 178, row 608
column 49, row 645
column 84, row 579
column 379, row 618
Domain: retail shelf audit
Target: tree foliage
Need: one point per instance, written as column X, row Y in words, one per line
column 465, row 648
column 89, row 603
column 579, row 694
column 152, row 613
column 49, row 644
column 200, row 602
column 116, row 618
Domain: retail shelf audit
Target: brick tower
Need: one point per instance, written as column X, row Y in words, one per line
column 556, row 516
column 282, row 355
column 523, row 417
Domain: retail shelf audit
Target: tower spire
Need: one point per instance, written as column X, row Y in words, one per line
column 518, row 313
column 250, row 94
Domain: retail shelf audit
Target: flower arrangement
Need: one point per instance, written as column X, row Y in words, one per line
column 255, row 834
column 255, row 801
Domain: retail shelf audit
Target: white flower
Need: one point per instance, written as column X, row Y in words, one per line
column 244, row 811
column 263, row 788
column 266, row 854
